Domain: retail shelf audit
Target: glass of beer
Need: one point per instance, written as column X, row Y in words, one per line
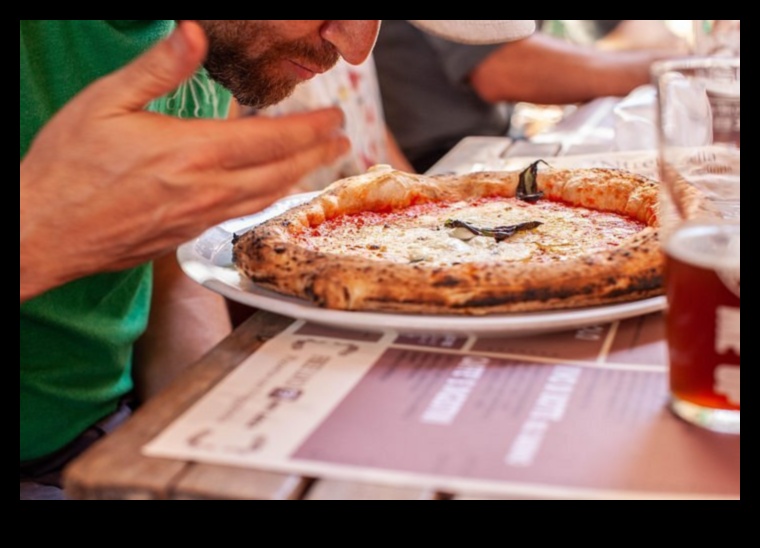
column 699, row 143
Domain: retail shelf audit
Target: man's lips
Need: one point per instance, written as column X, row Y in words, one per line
column 306, row 72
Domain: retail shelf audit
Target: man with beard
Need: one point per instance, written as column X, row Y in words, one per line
column 113, row 176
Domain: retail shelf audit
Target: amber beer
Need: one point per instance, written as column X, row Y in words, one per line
column 702, row 284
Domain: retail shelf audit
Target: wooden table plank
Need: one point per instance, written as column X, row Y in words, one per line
column 211, row 482
column 115, row 467
column 350, row 490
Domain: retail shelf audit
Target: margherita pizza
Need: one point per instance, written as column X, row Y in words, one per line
column 475, row 244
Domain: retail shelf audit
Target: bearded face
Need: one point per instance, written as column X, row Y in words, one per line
column 262, row 61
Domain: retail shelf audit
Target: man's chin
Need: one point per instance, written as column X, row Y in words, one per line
column 264, row 97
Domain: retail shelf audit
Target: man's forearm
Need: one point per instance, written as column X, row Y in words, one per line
column 42, row 267
column 37, row 265
column 30, row 283
column 546, row 70
column 43, row 261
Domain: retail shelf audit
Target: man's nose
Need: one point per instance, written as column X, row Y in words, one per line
column 354, row 39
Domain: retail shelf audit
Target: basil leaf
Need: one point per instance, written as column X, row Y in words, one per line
column 499, row 233
column 527, row 189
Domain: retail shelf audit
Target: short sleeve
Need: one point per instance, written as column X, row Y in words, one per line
column 459, row 60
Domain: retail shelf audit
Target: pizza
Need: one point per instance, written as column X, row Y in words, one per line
column 475, row 244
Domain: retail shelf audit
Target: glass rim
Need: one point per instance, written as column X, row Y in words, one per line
column 693, row 62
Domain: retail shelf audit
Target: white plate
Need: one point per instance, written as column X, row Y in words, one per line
column 208, row 261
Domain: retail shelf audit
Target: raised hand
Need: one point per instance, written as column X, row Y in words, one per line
column 107, row 185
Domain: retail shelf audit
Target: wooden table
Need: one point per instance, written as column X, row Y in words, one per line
column 115, row 468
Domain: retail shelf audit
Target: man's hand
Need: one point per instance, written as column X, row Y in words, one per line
column 107, row 185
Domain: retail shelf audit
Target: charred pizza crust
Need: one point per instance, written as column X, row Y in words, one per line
column 271, row 256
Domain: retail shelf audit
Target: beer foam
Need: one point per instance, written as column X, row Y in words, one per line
column 710, row 246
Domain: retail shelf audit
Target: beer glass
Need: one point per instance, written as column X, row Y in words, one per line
column 699, row 143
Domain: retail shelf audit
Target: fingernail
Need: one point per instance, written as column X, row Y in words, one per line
column 177, row 40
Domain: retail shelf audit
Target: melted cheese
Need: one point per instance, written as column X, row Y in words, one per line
column 418, row 234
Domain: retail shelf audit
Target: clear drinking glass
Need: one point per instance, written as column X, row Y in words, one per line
column 699, row 146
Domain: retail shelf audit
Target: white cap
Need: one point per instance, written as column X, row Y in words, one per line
column 487, row 31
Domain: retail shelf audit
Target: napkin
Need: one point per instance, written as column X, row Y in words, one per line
column 635, row 120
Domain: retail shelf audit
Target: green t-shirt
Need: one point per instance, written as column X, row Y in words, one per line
column 77, row 340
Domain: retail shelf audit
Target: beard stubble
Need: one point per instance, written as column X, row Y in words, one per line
column 247, row 58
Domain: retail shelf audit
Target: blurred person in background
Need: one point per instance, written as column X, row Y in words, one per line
column 436, row 92
column 618, row 34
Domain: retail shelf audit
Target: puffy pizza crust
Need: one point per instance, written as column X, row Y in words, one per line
column 271, row 256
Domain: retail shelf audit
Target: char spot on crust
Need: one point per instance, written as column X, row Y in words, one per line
column 448, row 281
column 637, row 285
column 264, row 280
